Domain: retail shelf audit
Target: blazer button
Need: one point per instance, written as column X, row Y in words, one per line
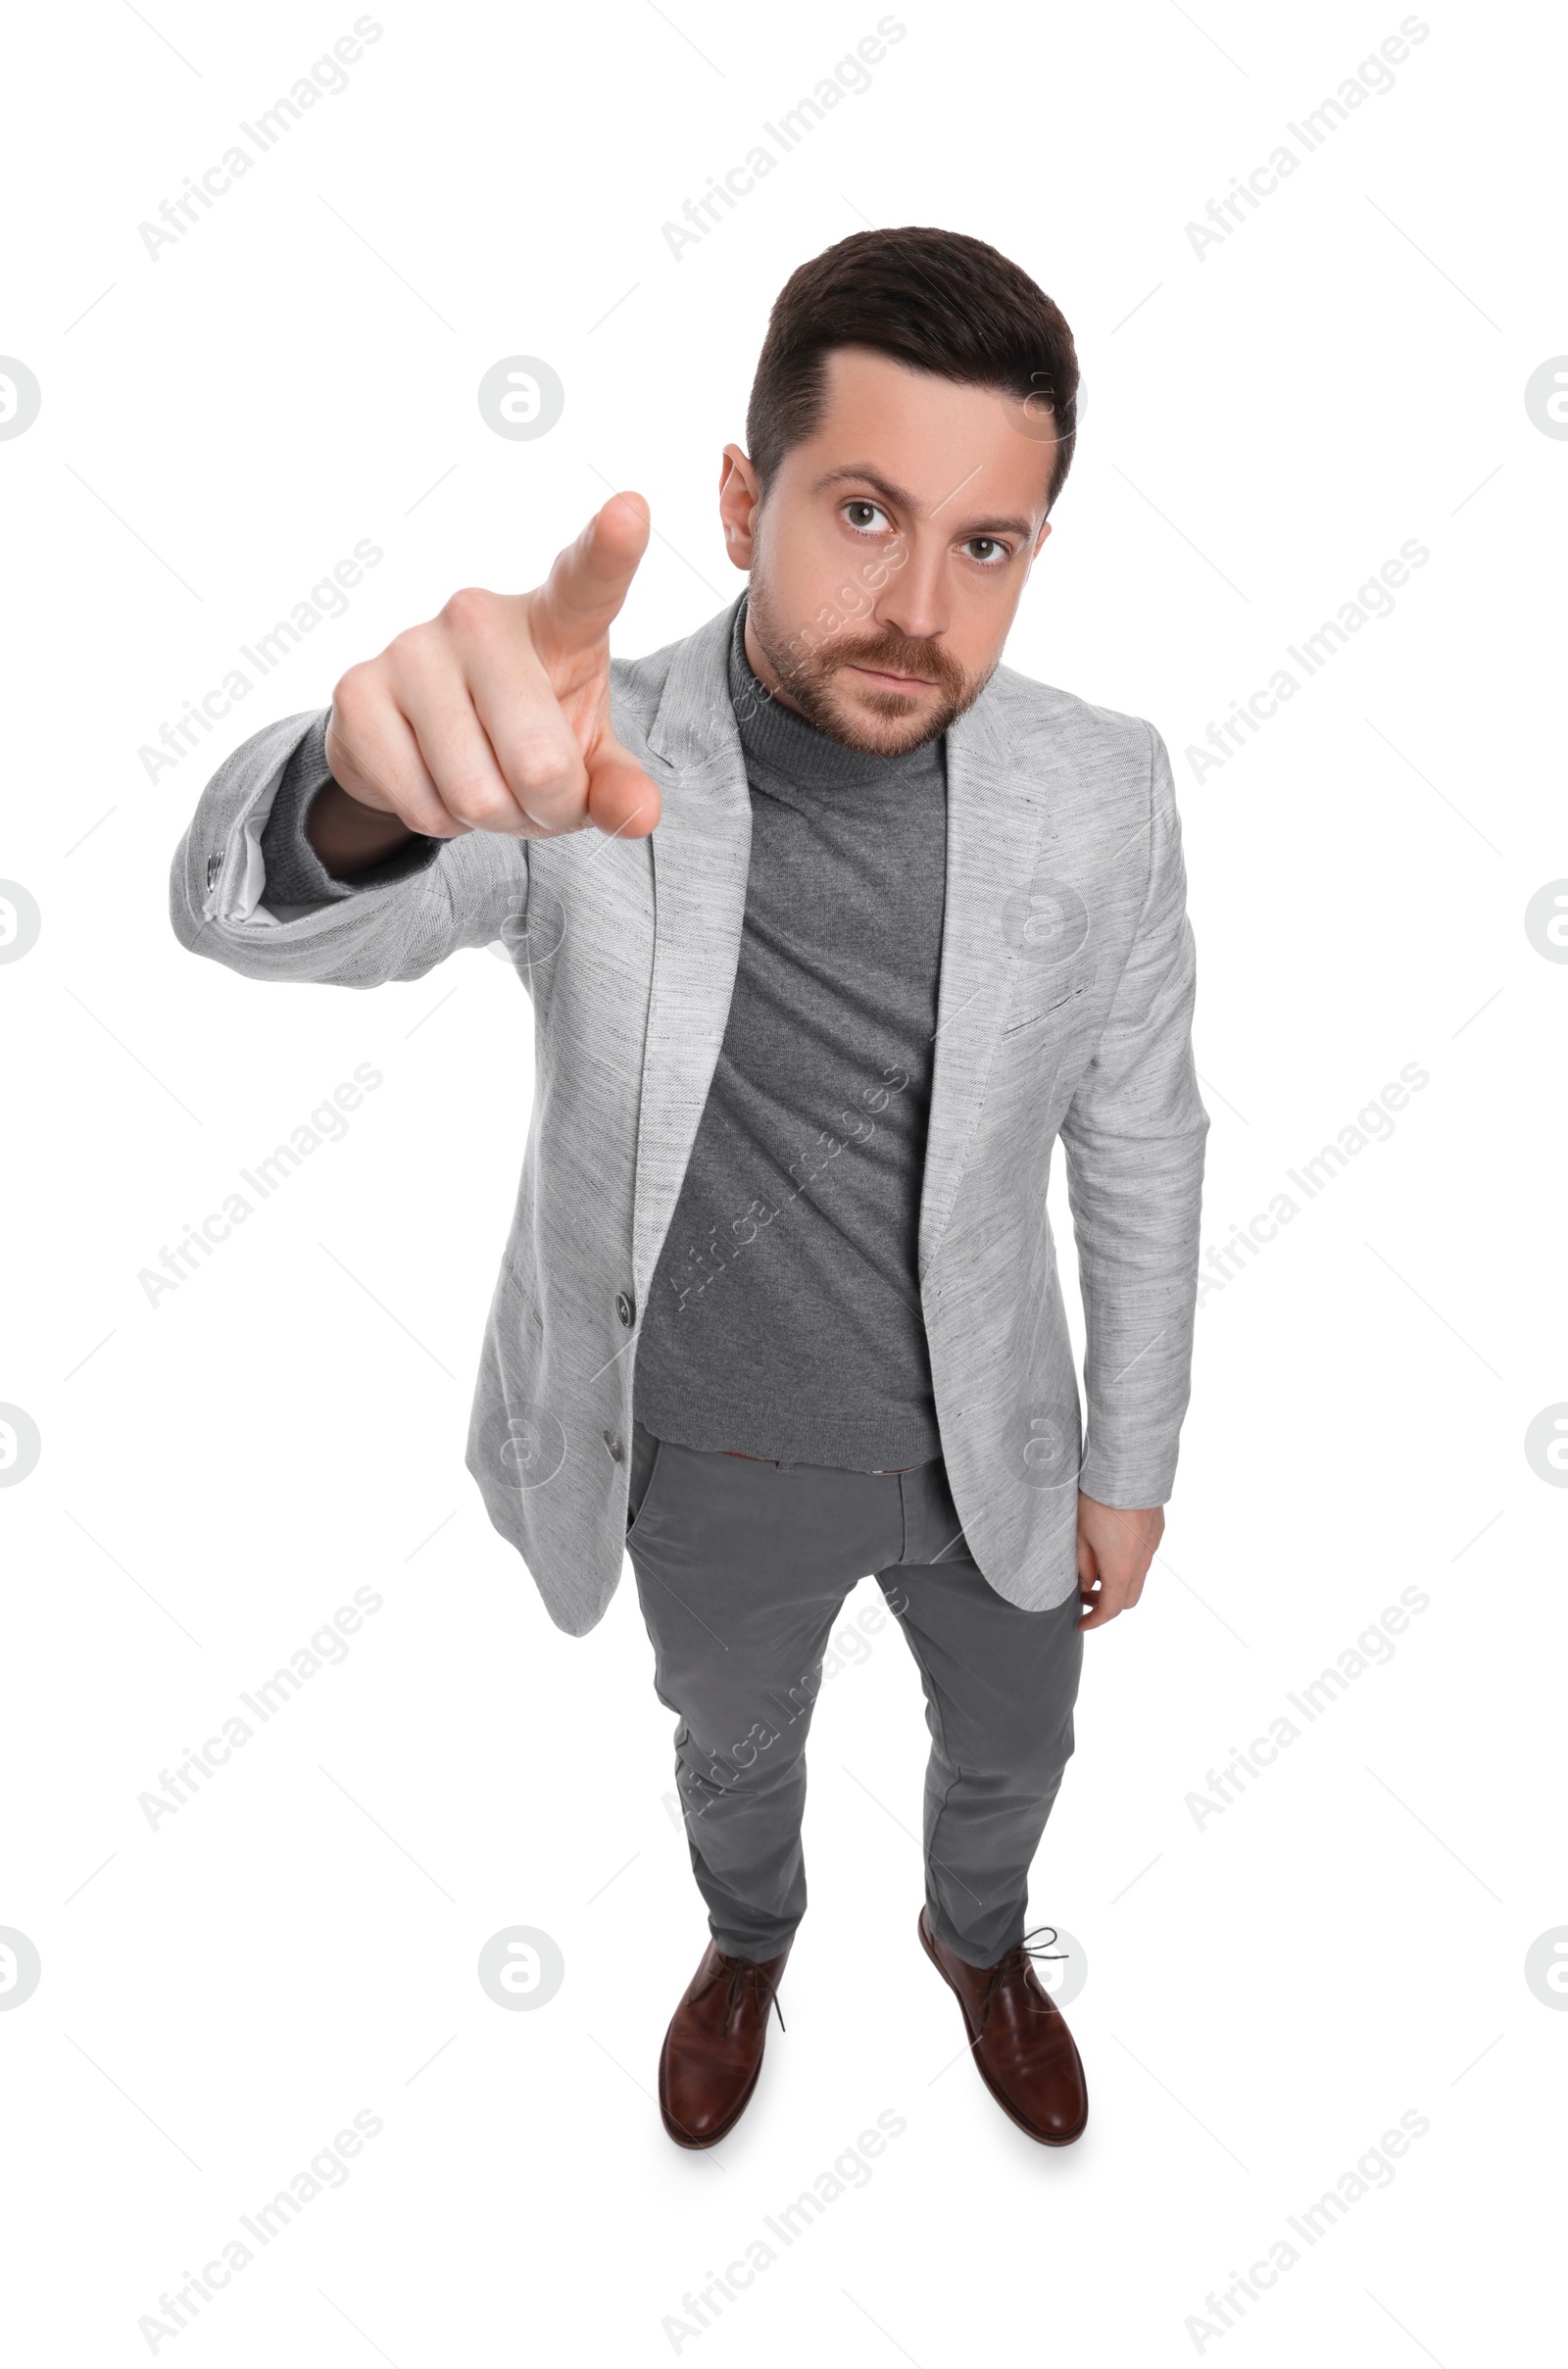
column 625, row 1307
column 616, row 1450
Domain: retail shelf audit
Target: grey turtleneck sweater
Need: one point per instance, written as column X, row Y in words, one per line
column 784, row 1313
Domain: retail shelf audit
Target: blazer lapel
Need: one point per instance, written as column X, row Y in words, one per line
column 995, row 822
column 700, row 850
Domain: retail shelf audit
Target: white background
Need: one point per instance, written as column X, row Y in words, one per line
column 1267, row 1992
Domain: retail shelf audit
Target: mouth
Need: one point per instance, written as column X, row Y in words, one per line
column 882, row 680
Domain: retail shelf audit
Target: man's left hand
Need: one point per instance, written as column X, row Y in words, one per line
column 1115, row 1547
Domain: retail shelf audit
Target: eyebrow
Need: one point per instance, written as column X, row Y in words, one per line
column 855, row 472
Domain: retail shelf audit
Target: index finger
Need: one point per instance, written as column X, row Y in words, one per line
column 581, row 597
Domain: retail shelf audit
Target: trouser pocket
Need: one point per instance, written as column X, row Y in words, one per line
column 645, row 1449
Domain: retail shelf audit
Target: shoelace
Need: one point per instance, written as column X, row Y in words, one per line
column 1015, row 1964
column 741, row 1970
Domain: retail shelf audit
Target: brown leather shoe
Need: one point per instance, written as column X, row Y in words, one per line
column 1018, row 2038
column 713, row 2051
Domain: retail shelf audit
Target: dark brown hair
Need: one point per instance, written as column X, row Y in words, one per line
column 932, row 299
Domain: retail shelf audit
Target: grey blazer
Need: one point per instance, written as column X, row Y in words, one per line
column 1065, row 1011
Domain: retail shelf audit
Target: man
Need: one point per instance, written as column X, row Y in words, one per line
column 832, row 926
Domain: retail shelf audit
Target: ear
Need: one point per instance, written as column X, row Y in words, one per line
column 1036, row 548
column 738, row 497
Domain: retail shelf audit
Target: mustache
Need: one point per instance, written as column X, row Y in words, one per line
column 897, row 653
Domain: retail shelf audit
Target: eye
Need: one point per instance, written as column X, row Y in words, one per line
column 864, row 516
column 987, row 552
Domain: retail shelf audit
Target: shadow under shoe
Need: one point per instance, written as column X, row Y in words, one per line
column 713, row 2051
column 1018, row 2038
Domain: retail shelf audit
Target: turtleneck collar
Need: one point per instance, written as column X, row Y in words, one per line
column 775, row 736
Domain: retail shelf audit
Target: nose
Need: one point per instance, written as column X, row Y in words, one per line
column 914, row 601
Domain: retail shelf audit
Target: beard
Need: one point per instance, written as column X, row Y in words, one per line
column 874, row 719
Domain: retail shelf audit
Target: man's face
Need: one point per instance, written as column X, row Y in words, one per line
column 889, row 556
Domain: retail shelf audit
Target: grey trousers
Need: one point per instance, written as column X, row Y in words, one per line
column 742, row 1569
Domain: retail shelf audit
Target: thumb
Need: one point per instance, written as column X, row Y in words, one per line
column 583, row 593
column 621, row 800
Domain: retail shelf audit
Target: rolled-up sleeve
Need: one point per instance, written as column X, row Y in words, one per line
column 246, row 888
column 295, row 875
